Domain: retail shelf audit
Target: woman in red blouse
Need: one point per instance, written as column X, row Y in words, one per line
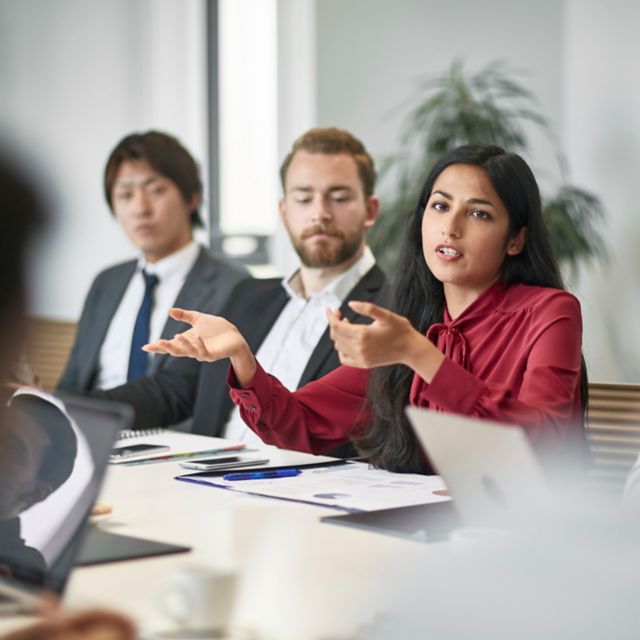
column 481, row 327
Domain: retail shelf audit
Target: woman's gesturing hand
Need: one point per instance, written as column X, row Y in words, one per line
column 210, row 338
column 389, row 339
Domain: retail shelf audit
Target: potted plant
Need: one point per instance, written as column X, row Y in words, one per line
column 489, row 107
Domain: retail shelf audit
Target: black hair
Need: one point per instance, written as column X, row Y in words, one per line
column 166, row 155
column 389, row 442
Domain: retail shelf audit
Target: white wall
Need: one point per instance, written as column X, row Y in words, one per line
column 371, row 53
column 75, row 77
column 602, row 132
column 296, row 98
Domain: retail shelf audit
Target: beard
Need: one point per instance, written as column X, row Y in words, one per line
column 339, row 247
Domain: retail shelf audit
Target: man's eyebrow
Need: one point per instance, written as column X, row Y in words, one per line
column 331, row 189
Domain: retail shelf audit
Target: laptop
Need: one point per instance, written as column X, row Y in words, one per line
column 54, row 452
column 53, row 456
column 490, row 471
column 489, row 468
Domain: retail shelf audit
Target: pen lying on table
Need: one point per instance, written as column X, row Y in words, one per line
column 262, row 475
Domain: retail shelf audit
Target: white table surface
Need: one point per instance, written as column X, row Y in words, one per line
column 298, row 578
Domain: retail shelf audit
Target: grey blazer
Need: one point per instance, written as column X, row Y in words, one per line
column 207, row 288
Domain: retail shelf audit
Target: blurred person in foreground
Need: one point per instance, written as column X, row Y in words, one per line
column 22, row 215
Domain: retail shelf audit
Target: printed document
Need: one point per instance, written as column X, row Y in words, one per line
column 353, row 486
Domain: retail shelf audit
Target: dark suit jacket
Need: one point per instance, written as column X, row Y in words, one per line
column 175, row 393
column 207, row 287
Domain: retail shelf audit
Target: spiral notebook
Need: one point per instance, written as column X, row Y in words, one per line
column 125, row 434
column 178, row 446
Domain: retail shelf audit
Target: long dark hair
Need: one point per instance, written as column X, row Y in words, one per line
column 389, row 441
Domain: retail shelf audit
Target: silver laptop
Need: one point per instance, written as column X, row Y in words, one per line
column 489, row 468
column 53, row 456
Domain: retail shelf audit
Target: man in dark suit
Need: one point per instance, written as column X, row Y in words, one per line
column 328, row 204
column 152, row 185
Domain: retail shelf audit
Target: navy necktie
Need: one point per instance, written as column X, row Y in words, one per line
column 138, row 358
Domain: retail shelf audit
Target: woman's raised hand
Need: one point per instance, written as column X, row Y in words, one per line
column 389, row 339
column 210, row 338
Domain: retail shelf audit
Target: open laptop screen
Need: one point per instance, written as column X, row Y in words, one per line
column 489, row 468
column 53, row 456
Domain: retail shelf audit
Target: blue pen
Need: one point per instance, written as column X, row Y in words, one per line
column 262, row 475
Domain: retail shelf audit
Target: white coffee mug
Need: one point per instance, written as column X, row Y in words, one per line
column 198, row 598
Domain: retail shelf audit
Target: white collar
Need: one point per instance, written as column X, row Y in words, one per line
column 341, row 285
column 177, row 263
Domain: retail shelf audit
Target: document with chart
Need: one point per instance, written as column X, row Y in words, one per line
column 353, row 486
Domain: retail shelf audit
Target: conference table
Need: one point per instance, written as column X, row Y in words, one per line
column 296, row 576
column 300, row 578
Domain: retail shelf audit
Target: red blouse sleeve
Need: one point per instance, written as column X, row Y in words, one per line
column 548, row 397
column 320, row 416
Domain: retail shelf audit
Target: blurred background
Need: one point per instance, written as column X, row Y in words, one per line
column 238, row 80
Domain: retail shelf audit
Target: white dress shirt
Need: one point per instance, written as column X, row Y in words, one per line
column 172, row 271
column 296, row 333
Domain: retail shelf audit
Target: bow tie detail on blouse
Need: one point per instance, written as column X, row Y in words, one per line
column 449, row 341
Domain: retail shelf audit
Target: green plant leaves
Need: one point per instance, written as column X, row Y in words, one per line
column 572, row 217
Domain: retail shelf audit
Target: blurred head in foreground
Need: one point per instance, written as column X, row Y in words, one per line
column 22, row 215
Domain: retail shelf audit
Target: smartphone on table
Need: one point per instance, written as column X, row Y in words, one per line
column 133, row 451
column 230, row 462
